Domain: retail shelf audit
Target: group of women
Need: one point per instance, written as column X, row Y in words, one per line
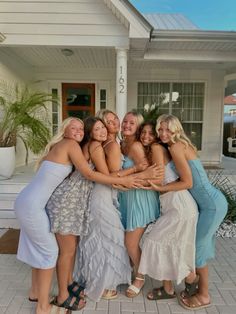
column 91, row 232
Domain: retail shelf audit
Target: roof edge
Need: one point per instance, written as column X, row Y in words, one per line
column 193, row 34
column 144, row 21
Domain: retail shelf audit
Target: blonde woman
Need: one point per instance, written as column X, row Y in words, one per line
column 138, row 207
column 103, row 261
column 212, row 207
column 37, row 246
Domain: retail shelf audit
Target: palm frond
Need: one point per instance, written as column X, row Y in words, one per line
column 24, row 115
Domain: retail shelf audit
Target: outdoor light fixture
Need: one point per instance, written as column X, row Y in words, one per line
column 67, row 52
column 2, row 37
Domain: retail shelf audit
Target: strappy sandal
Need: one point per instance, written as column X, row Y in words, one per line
column 109, row 294
column 76, row 290
column 132, row 290
column 190, row 288
column 160, row 294
column 71, row 303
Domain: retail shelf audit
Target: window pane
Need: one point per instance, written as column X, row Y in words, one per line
column 78, row 96
column 184, row 100
column 194, row 132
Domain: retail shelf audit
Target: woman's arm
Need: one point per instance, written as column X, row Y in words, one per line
column 177, row 152
column 78, row 160
column 97, row 156
column 113, row 157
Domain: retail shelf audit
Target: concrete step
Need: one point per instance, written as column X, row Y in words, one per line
column 11, row 187
column 7, row 200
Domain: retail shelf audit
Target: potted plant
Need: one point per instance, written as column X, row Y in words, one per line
column 23, row 115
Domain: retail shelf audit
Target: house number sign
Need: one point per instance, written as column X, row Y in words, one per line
column 121, row 81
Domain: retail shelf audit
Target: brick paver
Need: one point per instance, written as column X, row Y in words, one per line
column 15, row 281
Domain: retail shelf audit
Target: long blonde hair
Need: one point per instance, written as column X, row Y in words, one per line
column 139, row 119
column 103, row 113
column 176, row 128
column 56, row 138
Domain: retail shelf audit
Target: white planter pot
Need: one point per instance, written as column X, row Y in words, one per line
column 7, row 162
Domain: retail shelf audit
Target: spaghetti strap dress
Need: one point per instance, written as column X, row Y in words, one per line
column 138, row 207
column 212, row 206
column 69, row 205
column 168, row 251
column 102, row 259
column 37, row 245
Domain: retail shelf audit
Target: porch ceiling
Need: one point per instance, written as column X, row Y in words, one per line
column 51, row 57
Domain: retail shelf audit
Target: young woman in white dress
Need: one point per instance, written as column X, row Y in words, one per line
column 168, row 251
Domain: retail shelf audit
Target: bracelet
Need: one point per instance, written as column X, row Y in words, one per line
column 135, row 169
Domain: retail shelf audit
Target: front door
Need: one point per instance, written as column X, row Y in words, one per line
column 78, row 100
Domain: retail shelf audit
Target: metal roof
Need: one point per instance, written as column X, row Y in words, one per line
column 164, row 21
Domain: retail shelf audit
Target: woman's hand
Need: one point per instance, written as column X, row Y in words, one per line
column 131, row 182
column 141, row 166
column 120, row 187
column 153, row 172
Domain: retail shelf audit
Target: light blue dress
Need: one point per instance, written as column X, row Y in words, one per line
column 212, row 206
column 102, row 261
column 37, row 245
column 138, row 208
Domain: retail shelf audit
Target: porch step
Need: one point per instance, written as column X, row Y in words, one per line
column 7, row 201
column 9, row 189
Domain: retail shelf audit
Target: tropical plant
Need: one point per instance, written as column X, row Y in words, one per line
column 222, row 182
column 23, row 115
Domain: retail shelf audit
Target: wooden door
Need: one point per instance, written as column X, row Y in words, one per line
column 78, row 100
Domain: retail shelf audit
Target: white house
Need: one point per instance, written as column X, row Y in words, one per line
column 104, row 53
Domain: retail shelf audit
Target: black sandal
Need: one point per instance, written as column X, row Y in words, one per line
column 190, row 288
column 76, row 292
column 69, row 304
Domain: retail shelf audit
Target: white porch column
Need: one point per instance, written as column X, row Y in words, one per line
column 121, row 82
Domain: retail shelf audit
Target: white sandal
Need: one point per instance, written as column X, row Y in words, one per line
column 134, row 291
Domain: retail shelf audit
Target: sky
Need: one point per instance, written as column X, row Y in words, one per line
column 206, row 14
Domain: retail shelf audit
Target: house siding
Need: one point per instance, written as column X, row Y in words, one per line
column 61, row 23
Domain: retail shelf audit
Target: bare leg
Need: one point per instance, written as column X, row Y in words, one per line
column 203, row 284
column 70, row 278
column 132, row 239
column 33, row 292
column 168, row 286
column 44, row 280
column 67, row 247
column 202, row 297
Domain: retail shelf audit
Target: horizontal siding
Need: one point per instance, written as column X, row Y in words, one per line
column 82, row 30
column 73, row 23
column 62, row 18
column 56, row 7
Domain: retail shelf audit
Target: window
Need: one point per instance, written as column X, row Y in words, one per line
column 184, row 100
column 55, row 113
column 103, row 98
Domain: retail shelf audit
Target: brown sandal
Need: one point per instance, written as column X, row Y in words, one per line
column 190, row 288
column 160, row 294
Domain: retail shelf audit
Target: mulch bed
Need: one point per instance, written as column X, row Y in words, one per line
column 9, row 242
